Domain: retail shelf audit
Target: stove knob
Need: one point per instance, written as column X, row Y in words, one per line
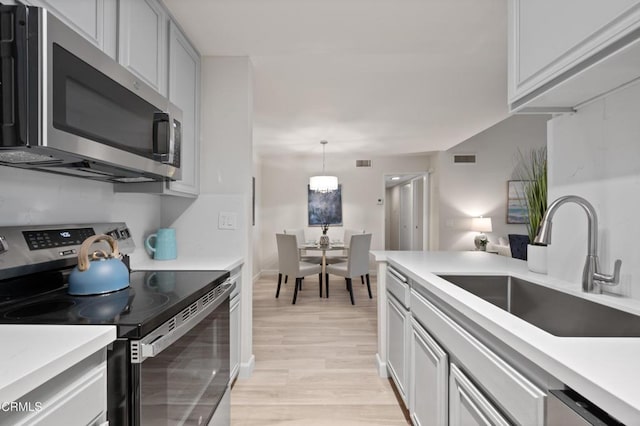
column 3, row 245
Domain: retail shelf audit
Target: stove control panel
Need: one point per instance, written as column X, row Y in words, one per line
column 38, row 247
column 50, row 238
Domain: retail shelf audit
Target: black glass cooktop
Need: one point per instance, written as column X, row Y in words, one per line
column 151, row 299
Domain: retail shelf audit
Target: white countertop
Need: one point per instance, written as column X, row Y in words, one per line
column 605, row 370
column 141, row 261
column 30, row 355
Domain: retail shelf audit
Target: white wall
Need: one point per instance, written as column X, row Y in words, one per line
column 595, row 153
column 480, row 189
column 283, row 187
column 32, row 198
column 226, row 162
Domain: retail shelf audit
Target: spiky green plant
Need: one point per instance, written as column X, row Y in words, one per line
column 533, row 169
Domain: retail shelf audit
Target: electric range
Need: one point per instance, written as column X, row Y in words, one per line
column 172, row 326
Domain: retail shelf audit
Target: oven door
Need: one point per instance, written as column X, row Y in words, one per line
column 186, row 372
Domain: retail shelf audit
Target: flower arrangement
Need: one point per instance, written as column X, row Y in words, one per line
column 325, row 228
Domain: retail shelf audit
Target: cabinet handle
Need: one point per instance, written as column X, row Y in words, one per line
column 396, row 274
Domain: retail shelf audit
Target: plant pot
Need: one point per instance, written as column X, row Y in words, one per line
column 537, row 258
column 324, row 240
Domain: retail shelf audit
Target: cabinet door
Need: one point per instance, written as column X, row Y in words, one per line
column 552, row 41
column 143, row 41
column 397, row 326
column 467, row 405
column 234, row 322
column 95, row 20
column 429, row 370
column 184, row 91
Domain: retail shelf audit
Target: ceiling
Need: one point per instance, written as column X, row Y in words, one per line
column 370, row 76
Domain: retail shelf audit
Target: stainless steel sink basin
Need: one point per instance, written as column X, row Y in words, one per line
column 553, row 311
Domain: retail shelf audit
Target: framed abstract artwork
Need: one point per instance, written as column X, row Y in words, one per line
column 325, row 207
column 517, row 212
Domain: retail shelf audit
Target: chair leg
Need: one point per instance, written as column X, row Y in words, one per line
column 279, row 281
column 320, row 281
column 350, row 287
column 369, row 287
column 295, row 292
column 362, row 279
column 326, row 283
column 286, row 277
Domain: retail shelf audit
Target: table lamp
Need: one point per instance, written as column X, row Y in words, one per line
column 481, row 225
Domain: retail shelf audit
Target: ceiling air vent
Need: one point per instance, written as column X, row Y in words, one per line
column 363, row 163
column 464, row 158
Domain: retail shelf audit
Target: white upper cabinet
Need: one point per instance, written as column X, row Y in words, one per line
column 184, row 91
column 562, row 54
column 142, row 44
column 93, row 19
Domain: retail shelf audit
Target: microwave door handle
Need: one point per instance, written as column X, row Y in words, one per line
column 161, row 136
column 14, row 77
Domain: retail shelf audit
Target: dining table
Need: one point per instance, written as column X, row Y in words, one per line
column 332, row 246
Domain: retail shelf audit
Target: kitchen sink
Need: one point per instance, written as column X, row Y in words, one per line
column 555, row 312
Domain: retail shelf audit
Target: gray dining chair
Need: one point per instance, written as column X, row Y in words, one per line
column 345, row 255
column 356, row 265
column 289, row 264
column 300, row 239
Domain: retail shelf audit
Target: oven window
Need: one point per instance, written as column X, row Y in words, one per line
column 184, row 383
column 89, row 104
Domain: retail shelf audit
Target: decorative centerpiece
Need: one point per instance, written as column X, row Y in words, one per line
column 324, row 238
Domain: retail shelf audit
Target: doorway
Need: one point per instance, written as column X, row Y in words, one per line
column 406, row 211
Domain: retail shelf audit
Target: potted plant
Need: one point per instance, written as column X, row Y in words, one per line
column 533, row 170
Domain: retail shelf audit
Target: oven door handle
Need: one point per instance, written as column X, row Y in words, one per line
column 162, row 342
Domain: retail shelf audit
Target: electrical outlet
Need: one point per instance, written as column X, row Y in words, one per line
column 227, row 220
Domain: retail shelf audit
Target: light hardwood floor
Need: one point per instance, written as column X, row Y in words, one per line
column 315, row 360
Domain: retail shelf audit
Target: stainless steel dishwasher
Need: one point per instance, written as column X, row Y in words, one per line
column 569, row 408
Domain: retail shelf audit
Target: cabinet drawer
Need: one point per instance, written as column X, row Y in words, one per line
column 398, row 285
column 77, row 396
column 514, row 393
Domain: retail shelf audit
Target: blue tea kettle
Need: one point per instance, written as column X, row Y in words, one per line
column 104, row 273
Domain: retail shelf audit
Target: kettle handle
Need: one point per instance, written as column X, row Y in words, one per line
column 83, row 255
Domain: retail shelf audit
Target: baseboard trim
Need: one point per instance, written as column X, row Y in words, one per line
column 382, row 367
column 246, row 368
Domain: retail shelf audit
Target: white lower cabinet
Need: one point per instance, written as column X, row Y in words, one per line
column 75, row 397
column 468, row 406
column 234, row 350
column 235, row 324
column 428, row 379
column 397, row 343
column 520, row 399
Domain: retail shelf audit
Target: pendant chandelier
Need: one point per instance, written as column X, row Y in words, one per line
column 323, row 183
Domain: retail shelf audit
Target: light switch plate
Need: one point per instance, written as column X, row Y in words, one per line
column 227, row 220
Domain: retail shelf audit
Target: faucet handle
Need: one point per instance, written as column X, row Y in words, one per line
column 609, row 279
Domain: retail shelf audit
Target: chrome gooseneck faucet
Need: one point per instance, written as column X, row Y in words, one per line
column 592, row 279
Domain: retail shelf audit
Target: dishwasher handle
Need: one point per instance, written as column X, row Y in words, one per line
column 569, row 408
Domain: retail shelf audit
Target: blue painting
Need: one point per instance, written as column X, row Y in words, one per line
column 517, row 212
column 325, row 207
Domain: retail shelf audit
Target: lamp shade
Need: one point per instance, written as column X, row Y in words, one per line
column 323, row 183
column 481, row 224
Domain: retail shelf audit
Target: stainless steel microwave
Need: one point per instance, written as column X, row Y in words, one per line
column 69, row 108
